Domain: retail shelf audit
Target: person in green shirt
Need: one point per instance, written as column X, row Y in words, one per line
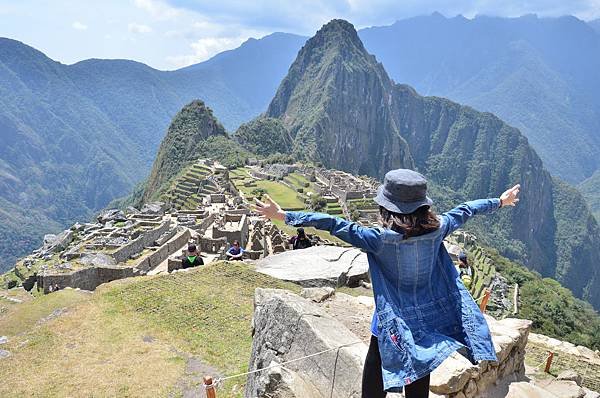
column 193, row 259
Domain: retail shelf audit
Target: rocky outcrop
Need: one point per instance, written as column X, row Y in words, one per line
column 287, row 327
column 318, row 266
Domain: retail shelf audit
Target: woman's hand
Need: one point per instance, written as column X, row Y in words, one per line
column 509, row 197
column 269, row 209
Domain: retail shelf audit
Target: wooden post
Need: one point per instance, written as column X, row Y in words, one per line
column 484, row 301
column 549, row 362
column 211, row 392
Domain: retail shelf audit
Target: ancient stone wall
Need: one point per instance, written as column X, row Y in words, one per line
column 137, row 245
column 86, row 279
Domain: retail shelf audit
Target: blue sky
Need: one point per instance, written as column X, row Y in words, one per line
column 168, row 34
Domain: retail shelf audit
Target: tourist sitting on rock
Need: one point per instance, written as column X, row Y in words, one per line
column 193, row 258
column 235, row 252
column 423, row 313
column 300, row 241
column 465, row 270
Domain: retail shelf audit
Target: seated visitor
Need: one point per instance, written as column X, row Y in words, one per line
column 465, row 270
column 235, row 252
column 193, row 258
column 300, row 241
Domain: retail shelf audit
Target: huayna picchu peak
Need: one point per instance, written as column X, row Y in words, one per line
column 335, row 104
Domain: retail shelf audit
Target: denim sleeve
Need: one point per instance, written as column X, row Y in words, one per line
column 368, row 239
column 456, row 217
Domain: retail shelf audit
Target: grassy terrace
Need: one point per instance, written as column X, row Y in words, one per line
column 133, row 337
column 285, row 196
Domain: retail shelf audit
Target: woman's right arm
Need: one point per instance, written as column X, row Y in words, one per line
column 456, row 217
column 368, row 239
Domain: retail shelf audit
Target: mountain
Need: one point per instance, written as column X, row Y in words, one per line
column 590, row 189
column 339, row 104
column 191, row 126
column 539, row 74
column 75, row 137
column 329, row 77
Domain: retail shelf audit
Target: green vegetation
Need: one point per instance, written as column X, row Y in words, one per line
column 285, row 196
column 264, row 136
column 133, row 335
column 553, row 309
column 182, row 145
column 590, row 189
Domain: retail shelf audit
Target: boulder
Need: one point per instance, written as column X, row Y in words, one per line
column 96, row 259
column 4, row 354
column 58, row 243
column 590, row 394
column 318, row 266
column 571, row 375
column 523, row 389
column 452, row 375
column 562, row 388
column 280, row 382
column 155, row 208
column 287, row 326
column 317, row 294
column 111, row 215
column 3, row 339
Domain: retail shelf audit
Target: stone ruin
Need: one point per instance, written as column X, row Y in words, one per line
column 287, row 327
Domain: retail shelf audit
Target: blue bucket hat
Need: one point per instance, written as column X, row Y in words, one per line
column 403, row 191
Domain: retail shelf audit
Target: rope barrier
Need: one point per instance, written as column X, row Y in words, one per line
column 282, row 365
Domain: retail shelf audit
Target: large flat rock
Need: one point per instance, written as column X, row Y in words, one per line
column 317, row 266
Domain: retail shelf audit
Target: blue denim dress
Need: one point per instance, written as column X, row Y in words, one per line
column 423, row 312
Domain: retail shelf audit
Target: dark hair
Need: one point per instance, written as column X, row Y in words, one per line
column 191, row 248
column 235, row 242
column 420, row 222
column 301, row 233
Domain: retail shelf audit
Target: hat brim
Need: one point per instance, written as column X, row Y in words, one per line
column 398, row 206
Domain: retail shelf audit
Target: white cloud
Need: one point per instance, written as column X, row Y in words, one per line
column 79, row 26
column 138, row 28
column 158, row 9
column 205, row 48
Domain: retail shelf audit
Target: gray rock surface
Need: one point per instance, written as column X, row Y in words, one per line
column 562, row 388
column 3, row 339
column 318, row 266
column 97, row 259
column 570, row 375
column 157, row 208
column 286, row 327
column 59, row 243
column 111, row 215
column 524, row 389
column 317, row 294
column 4, row 354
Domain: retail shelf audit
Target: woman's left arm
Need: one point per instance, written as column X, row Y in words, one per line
column 456, row 217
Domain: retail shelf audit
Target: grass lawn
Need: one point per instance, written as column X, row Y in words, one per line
column 133, row 337
column 285, row 196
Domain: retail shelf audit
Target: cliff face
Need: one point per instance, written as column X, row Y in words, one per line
column 334, row 102
column 342, row 110
column 192, row 125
